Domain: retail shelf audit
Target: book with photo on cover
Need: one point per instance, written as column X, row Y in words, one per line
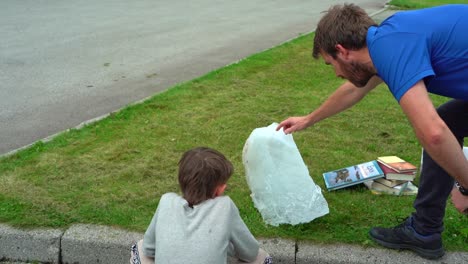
column 397, row 164
column 352, row 175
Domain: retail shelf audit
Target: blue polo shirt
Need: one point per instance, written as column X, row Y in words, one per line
column 429, row 44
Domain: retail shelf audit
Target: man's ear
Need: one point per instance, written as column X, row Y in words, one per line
column 341, row 52
column 220, row 190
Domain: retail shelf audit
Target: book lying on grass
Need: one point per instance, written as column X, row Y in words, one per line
column 391, row 174
column 390, row 183
column 352, row 175
column 397, row 164
column 407, row 188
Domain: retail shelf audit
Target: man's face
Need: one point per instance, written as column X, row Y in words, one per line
column 356, row 72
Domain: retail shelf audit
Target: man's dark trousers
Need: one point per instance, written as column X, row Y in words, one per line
column 435, row 184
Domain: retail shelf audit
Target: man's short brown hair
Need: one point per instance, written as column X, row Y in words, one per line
column 201, row 170
column 342, row 24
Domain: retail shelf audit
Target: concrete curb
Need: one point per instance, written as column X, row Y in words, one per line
column 102, row 244
column 97, row 244
column 352, row 254
column 22, row 245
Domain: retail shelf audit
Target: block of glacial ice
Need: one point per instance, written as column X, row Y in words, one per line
column 282, row 189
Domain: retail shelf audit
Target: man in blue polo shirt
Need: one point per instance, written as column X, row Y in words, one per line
column 413, row 52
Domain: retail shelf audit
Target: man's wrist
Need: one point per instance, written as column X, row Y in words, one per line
column 310, row 120
column 462, row 189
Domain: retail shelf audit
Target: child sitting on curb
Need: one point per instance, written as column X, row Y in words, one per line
column 203, row 226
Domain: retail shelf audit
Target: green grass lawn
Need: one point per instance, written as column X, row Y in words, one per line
column 412, row 4
column 113, row 172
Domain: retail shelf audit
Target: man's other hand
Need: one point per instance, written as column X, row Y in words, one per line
column 460, row 201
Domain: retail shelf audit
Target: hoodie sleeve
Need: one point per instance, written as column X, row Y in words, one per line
column 245, row 246
column 149, row 240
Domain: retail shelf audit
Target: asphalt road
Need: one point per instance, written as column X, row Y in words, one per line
column 65, row 62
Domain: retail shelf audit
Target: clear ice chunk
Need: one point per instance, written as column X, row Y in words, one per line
column 282, row 189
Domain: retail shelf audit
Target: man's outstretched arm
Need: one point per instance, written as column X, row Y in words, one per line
column 343, row 98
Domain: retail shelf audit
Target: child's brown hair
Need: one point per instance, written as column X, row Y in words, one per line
column 201, row 171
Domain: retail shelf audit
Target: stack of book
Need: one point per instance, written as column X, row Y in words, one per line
column 398, row 177
column 386, row 175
